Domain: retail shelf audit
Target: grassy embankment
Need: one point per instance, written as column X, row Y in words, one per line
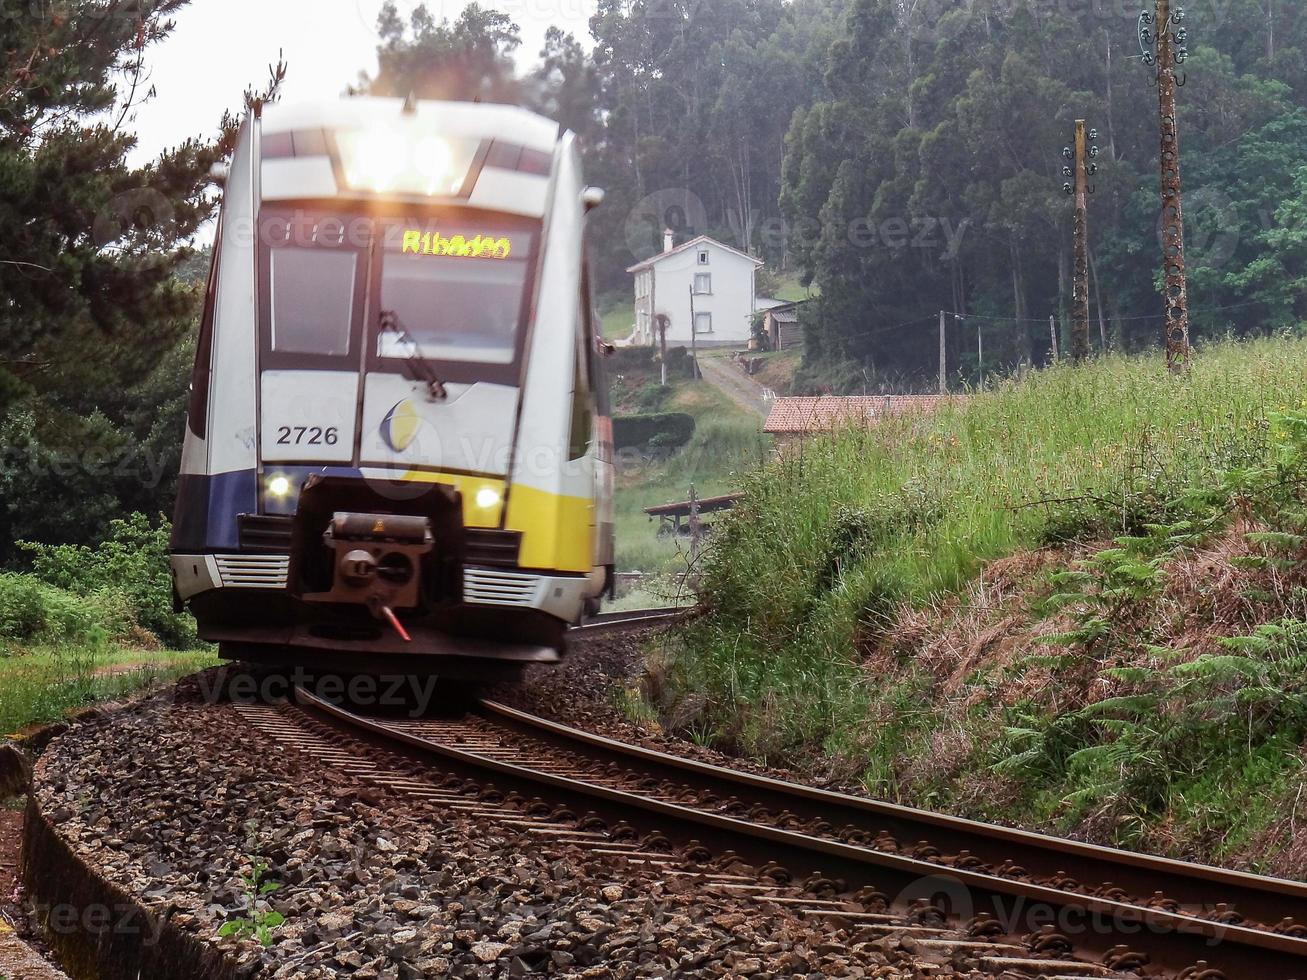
column 90, row 625
column 1076, row 603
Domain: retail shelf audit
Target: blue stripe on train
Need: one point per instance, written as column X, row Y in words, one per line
column 205, row 518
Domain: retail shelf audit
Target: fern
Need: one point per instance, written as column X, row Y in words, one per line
column 1130, row 704
column 1250, row 562
column 1059, row 601
column 1279, row 540
column 1072, row 577
column 1131, row 675
column 1248, row 644
column 1164, row 653
column 1251, row 696
column 1215, row 667
column 1116, row 755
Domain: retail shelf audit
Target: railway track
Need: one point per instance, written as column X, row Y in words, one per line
column 1011, row 903
column 621, row 622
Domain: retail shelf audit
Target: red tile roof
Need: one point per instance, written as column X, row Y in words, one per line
column 828, row 412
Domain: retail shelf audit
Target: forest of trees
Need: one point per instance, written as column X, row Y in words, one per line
column 904, row 156
column 898, row 156
column 99, row 282
column 959, row 123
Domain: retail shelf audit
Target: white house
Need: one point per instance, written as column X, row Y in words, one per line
column 701, row 283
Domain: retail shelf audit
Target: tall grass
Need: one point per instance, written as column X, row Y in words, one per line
column 41, row 684
column 806, row 575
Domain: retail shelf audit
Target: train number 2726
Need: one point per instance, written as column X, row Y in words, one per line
column 307, row 435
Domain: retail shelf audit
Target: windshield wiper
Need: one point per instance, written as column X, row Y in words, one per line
column 419, row 367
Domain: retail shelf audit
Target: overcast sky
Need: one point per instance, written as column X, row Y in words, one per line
column 222, row 46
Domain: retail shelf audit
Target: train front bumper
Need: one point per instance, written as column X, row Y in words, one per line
column 502, row 614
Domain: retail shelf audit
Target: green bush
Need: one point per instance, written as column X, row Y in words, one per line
column 638, row 360
column 652, row 397
column 33, row 611
column 668, row 430
column 128, row 571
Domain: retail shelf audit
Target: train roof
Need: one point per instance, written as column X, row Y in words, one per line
column 462, row 119
column 487, row 156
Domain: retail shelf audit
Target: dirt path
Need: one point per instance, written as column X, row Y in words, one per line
column 726, row 376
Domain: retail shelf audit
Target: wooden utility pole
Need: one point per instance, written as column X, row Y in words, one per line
column 1080, row 285
column 696, row 526
column 943, row 356
column 1162, row 41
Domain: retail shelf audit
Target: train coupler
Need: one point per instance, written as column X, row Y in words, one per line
column 377, row 563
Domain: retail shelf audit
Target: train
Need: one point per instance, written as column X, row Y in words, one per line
column 398, row 448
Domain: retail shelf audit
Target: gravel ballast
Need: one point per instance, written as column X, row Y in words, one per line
column 162, row 806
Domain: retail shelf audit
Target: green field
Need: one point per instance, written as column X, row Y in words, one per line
column 727, row 445
column 788, row 288
column 617, row 314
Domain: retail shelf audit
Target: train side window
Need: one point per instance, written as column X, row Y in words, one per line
column 582, row 392
column 312, row 300
column 593, row 341
column 197, row 410
column 582, row 422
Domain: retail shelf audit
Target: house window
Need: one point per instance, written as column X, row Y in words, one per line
column 703, row 283
column 703, row 257
column 703, row 323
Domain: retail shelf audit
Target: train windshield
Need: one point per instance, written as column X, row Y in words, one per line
column 312, row 300
column 458, row 292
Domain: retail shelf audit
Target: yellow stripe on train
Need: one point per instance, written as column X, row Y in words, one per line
column 483, row 497
column 557, row 531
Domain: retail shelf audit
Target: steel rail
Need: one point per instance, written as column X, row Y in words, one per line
column 1268, row 900
column 1170, row 939
column 618, row 622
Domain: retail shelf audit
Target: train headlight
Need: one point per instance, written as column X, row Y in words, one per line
column 279, row 487
column 401, row 160
column 432, row 158
column 375, row 163
column 488, row 497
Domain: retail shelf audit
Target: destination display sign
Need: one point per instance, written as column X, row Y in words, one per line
column 417, row 242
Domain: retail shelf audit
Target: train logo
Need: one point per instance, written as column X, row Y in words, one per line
column 401, row 426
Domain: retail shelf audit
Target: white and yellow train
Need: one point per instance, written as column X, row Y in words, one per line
column 399, row 449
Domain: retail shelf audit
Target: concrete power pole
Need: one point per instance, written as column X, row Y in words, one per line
column 1162, row 40
column 1081, row 168
column 694, row 339
column 662, row 321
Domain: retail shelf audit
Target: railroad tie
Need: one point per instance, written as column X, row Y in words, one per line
column 1077, row 968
